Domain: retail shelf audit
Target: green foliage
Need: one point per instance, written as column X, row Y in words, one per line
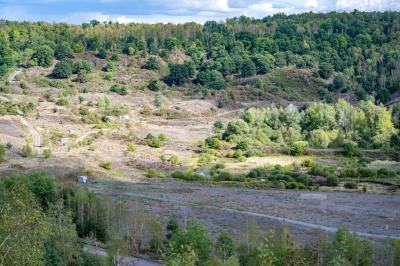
column 2, row 152
column 194, row 236
column 179, row 74
column 247, row 68
column 63, row 69
column 119, row 89
column 212, row 79
column 82, row 66
column 156, row 142
column 43, row 56
column 213, row 143
column 102, row 54
column 152, row 64
column 298, row 148
column 351, row 185
column 154, row 85
column 332, row 181
column 63, row 50
column 325, row 70
column 111, row 66
column 225, row 246
column 132, row 147
column 106, row 165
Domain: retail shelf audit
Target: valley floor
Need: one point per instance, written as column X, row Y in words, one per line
column 305, row 213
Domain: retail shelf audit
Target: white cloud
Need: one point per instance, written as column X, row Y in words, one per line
column 263, row 9
column 368, row 5
column 312, row 3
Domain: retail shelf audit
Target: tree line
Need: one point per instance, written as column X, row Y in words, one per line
column 360, row 49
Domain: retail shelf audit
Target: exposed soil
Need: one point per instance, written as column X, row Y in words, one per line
column 369, row 215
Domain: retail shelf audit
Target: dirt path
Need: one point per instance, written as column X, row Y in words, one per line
column 123, row 260
column 37, row 138
column 368, row 215
column 15, row 74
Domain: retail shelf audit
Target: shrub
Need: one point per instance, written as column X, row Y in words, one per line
column 111, row 66
column 152, row 64
column 367, row 172
column 62, row 102
column 298, row 148
column 121, row 90
column 174, row 160
column 63, row 69
column 132, row 147
column 351, row 185
column 242, row 145
column 102, row 54
column 106, row 165
column 218, row 126
column 213, row 142
column 2, row 152
column 350, row 149
column 47, row 153
column 332, row 181
column 82, row 65
column 27, row 150
column 154, row 85
column 152, row 173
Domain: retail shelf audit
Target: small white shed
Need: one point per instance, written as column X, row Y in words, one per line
column 82, row 179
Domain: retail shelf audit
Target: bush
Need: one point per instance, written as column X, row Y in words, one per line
column 351, row 185
column 367, row 172
column 106, row 165
column 213, row 142
column 218, row 126
column 102, row 54
column 154, row 85
column 47, row 153
column 82, row 65
column 111, row 66
column 152, row 64
column 242, row 145
column 63, row 69
column 132, row 147
column 121, row 90
column 174, row 160
column 298, row 148
column 2, row 152
column 332, row 181
column 350, row 149
column 27, row 150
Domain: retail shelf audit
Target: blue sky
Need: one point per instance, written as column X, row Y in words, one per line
column 176, row 11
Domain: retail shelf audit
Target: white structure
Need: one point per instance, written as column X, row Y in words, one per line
column 63, row 141
column 82, row 179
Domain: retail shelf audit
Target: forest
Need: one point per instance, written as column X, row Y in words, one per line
column 356, row 51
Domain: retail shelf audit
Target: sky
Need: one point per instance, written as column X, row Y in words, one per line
column 175, row 11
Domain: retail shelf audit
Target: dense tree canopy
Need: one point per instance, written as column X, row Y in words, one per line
column 362, row 46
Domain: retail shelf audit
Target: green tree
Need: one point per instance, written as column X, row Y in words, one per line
column 248, row 68
column 225, row 246
column 325, row 70
column 63, row 50
column 43, row 56
column 63, row 69
column 152, row 63
column 194, row 236
column 23, row 226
